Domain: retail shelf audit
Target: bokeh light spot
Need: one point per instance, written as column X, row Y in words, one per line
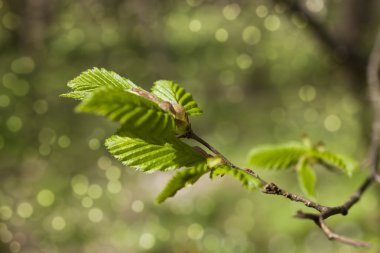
column 25, row 210
column 195, row 231
column 272, row 23
column 58, row 223
column 44, row 149
column 64, row 141
column 113, row 173
column 11, row 21
column 221, row 35
column 195, row 25
column 147, row 241
column 262, row 11
column 5, row 235
column 95, row 215
column 15, row 246
column 94, row 144
column 315, row 5
column 332, row 123
column 231, row 11
column 95, row 191
column 45, row 198
column 14, row 124
column 5, row 212
column 251, row 35
column 79, row 184
column 307, row 93
column 244, row 61
column 4, row 100
column 104, row 162
column 23, row 65
column 87, row 202
column 137, row 206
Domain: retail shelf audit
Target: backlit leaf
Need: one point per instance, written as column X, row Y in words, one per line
column 182, row 179
column 173, row 93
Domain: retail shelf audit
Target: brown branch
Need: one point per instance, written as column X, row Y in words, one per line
column 191, row 135
column 319, row 221
column 325, row 211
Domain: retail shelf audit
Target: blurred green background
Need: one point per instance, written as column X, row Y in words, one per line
column 260, row 72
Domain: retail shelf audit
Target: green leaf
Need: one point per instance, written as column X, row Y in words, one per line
column 93, row 79
column 151, row 153
column 276, row 157
column 173, row 93
column 182, row 179
column 337, row 161
column 248, row 181
column 306, row 178
column 132, row 111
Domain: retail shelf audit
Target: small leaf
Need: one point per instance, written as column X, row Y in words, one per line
column 93, row 79
column 214, row 161
column 306, row 178
column 151, row 153
column 131, row 110
column 337, row 161
column 182, row 179
column 248, row 181
column 276, row 157
column 173, row 93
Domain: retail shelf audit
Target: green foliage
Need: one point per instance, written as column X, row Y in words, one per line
column 151, row 124
column 152, row 153
column 132, row 111
column 171, row 92
column 182, row 179
column 276, row 157
column 95, row 78
column 147, row 138
column 303, row 158
column 248, row 181
column 306, row 177
column 336, row 161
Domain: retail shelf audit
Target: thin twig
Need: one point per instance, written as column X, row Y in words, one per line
column 319, row 221
column 191, row 135
column 325, row 211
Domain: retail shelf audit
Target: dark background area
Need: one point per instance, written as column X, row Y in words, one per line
column 263, row 72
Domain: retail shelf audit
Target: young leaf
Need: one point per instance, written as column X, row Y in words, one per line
column 306, row 178
column 276, row 157
column 151, row 153
column 341, row 162
column 182, row 179
column 131, row 110
column 92, row 79
column 173, row 93
column 248, row 181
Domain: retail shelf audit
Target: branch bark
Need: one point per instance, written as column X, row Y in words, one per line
column 325, row 212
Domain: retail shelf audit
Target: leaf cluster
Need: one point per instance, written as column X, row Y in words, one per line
column 151, row 126
column 304, row 158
